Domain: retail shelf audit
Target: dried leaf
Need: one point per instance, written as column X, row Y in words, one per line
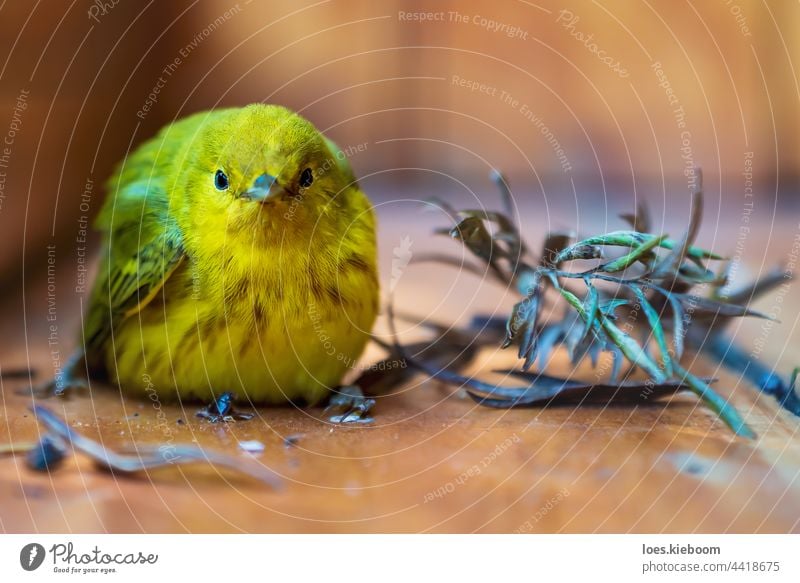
column 640, row 221
column 488, row 322
column 609, row 307
column 505, row 192
column 502, row 221
column 574, row 328
column 763, row 284
column 616, row 238
column 48, row 454
column 694, row 275
column 581, row 252
column 678, row 325
column 721, row 406
column 17, row 373
column 18, row 447
column 633, row 351
column 672, row 262
column 671, row 274
column 616, row 364
column 634, row 239
column 716, row 308
column 692, row 252
column 654, row 320
column 553, row 246
column 524, row 316
column 476, row 237
column 592, row 308
column 548, row 338
column 149, row 457
column 547, row 390
column 629, row 259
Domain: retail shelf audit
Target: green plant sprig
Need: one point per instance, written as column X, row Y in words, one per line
column 652, row 282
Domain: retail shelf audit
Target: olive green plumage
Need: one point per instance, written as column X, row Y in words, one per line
column 238, row 254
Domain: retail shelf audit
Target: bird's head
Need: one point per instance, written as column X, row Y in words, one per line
column 266, row 172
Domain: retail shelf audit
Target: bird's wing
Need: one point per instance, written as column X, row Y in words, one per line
column 135, row 273
column 142, row 248
column 142, row 242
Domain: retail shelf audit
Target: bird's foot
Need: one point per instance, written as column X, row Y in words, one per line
column 221, row 410
column 65, row 382
column 352, row 405
column 61, row 385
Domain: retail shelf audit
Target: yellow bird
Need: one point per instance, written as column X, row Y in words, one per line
column 239, row 255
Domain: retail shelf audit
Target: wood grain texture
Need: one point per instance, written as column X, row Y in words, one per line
column 664, row 467
column 427, row 465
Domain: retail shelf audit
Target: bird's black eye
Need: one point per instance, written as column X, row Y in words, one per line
column 221, row 180
column 306, row 178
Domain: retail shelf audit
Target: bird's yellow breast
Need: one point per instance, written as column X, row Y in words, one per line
column 239, row 255
column 270, row 327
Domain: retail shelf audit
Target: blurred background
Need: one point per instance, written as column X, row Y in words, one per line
column 586, row 107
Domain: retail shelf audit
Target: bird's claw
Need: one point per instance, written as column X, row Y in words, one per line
column 352, row 405
column 68, row 380
column 67, row 385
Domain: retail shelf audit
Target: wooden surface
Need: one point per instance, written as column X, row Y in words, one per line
column 433, row 461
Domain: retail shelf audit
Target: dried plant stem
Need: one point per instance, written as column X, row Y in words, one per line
column 15, row 448
column 720, row 405
column 655, row 283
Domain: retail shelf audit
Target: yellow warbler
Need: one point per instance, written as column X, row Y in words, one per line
column 238, row 255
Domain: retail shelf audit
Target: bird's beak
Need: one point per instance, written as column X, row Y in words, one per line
column 265, row 187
